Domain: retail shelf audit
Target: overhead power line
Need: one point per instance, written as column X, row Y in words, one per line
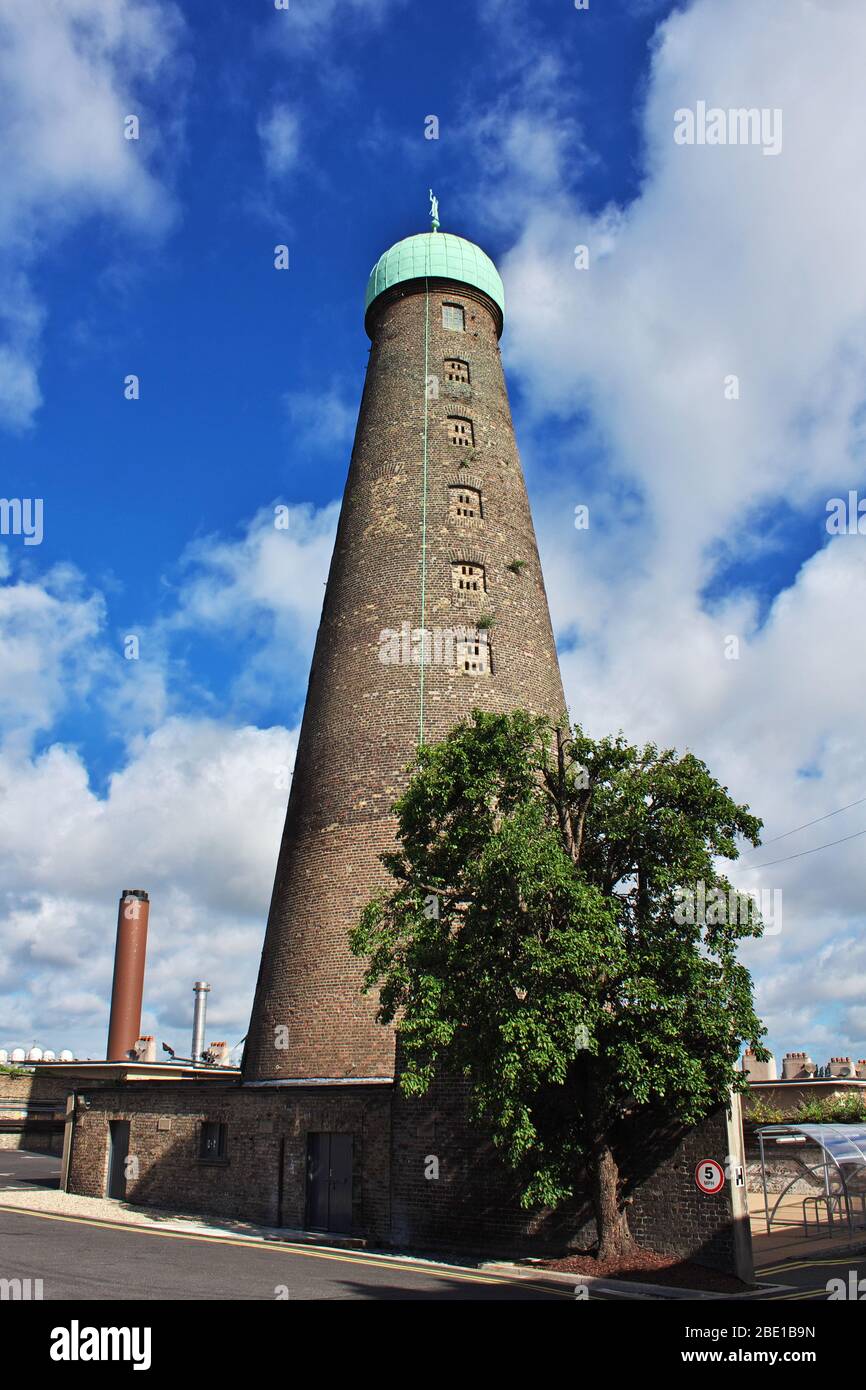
column 816, row 821
column 750, row 867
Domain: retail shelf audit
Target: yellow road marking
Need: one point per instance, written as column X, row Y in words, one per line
column 314, row 1252
column 809, row 1264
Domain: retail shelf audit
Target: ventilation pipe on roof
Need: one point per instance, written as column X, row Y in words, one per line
column 201, row 990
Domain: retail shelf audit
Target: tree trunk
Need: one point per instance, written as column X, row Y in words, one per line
column 615, row 1240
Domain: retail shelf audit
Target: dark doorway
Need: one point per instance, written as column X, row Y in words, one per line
column 329, row 1182
column 118, row 1150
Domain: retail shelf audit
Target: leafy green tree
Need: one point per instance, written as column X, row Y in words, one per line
column 533, row 943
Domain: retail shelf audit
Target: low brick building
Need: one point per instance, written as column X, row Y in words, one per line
column 417, row 1175
column 33, row 1097
column 232, row 1150
column 32, row 1110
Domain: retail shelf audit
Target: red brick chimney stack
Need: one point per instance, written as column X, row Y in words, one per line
column 124, row 1027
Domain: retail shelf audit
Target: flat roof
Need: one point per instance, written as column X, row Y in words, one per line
column 136, row 1071
column 813, row 1081
column 323, row 1081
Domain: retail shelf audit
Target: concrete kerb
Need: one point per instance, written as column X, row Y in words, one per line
column 627, row 1287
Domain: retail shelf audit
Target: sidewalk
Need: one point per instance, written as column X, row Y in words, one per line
column 55, row 1203
column 786, row 1239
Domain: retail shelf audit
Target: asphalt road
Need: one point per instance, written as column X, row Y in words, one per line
column 24, row 1168
column 78, row 1260
column 808, row 1279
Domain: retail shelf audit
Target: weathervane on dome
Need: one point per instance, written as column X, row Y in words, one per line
column 434, row 211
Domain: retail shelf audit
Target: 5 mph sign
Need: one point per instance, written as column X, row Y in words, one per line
column 710, row 1176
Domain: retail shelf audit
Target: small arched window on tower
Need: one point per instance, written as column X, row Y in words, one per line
column 464, row 503
column 466, row 578
column 454, row 317
column 456, row 370
column 473, row 654
column 460, row 431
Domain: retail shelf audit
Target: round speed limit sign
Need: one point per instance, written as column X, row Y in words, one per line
column 710, row 1176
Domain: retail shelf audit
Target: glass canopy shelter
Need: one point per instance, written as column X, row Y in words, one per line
column 842, row 1167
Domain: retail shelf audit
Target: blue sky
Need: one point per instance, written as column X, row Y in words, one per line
column 155, row 257
column 221, row 342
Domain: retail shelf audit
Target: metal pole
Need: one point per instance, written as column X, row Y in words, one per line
column 764, row 1180
column 742, row 1230
column 201, row 989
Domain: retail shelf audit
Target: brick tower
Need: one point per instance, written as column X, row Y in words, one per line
column 435, row 537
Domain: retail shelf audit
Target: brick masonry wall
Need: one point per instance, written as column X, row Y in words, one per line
column 472, row 1207
column 669, row 1213
column 31, row 1112
column 474, row 1204
column 361, row 720
column 267, row 1129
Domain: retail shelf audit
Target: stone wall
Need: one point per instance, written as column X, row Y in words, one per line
column 788, row 1097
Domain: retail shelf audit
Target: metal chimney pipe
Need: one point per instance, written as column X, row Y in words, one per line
column 201, row 990
column 127, row 987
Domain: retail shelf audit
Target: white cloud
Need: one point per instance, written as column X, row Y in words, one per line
column 280, row 136
column 268, row 586
column 308, row 26
column 195, row 817
column 21, row 322
column 322, row 420
column 194, row 809
column 46, row 635
column 69, row 75
column 528, row 143
column 727, row 262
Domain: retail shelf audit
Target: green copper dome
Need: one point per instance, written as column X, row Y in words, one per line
column 435, row 254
